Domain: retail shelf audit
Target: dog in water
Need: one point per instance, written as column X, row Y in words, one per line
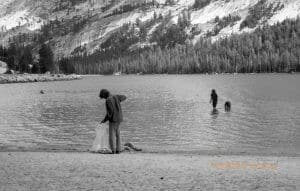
column 227, row 106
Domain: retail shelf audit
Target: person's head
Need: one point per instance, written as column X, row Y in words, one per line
column 213, row 91
column 104, row 94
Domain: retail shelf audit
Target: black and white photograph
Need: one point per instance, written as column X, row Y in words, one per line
column 149, row 95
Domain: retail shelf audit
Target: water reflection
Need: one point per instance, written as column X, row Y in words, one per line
column 214, row 113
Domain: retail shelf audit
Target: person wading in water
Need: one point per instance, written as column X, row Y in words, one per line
column 214, row 98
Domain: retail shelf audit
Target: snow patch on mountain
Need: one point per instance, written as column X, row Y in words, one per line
column 230, row 30
column 35, row 24
column 20, row 18
column 13, row 20
column 221, row 9
column 291, row 10
column 4, row 3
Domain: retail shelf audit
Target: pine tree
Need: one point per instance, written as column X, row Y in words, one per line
column 26, row 60
column 46, row 59
column 12, row 59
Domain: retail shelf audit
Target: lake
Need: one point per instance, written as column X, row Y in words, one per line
column 162, row 113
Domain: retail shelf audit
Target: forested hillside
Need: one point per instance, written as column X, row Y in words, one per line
column 268, row 49
column 150, row 36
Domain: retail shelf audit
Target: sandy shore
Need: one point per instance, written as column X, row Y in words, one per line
column 24, row 78
column 128, row 171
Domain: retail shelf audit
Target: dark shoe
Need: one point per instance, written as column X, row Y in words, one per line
column 117, row 152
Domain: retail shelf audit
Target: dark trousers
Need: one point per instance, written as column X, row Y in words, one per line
column 215, row 104
column 114, row 137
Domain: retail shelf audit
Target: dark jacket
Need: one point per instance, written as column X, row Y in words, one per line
column 113, row 108
column 214, row 97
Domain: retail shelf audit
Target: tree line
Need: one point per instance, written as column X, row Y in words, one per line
column 268, row 49
column 20, row 58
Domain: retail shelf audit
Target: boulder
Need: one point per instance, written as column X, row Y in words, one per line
column 10, row 72
column 3, row 67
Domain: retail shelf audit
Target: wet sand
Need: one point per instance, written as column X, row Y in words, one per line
column 142, row 171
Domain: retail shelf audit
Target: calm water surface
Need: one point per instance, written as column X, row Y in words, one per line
column 163, row 113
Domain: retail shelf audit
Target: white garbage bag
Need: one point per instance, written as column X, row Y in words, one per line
column 101, row 142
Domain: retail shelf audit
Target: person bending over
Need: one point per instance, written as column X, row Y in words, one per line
column 115, row 116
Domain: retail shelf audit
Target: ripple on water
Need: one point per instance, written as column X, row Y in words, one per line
column 162, row 113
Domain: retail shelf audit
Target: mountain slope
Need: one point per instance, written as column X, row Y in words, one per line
column 74, row 26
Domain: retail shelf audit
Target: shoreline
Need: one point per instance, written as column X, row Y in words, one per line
column 142, row 171
column 163, row 152
column 30, row 78
column 192, row 74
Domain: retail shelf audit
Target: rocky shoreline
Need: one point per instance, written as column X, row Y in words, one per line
column 26, row 78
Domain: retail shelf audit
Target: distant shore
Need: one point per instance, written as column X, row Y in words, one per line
column 140, row 171
column 26, row 78
column 212, row 74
